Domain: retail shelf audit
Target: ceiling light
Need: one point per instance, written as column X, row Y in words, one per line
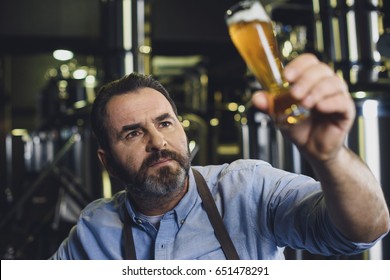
column 62, row 55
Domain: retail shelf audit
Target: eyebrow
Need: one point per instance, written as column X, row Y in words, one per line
column 163, row 117
column 134, row 126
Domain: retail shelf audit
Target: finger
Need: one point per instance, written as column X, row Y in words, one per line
column 327, row 86
column 336, row 111
column 310, row 78
column 296, row 67
column 260, row 101
column 337, row 103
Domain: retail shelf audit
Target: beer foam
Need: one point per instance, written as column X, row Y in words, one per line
column 254, row 11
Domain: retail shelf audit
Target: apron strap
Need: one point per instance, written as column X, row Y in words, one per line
column 215, row 218
column 128, row 237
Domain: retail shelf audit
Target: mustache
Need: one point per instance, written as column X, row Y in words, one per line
column 156, row 156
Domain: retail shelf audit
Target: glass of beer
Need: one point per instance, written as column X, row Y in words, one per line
column 252, row 33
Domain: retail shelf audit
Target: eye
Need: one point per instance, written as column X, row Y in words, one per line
column 133, row 134
column 165, row 124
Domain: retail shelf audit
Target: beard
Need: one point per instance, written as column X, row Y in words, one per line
column 164, row 183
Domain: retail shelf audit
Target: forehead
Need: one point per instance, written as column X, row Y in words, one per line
column 137, row 105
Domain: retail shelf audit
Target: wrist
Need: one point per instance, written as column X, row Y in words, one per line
column 325, row 167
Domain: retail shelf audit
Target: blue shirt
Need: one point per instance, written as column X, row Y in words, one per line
column 263, row 208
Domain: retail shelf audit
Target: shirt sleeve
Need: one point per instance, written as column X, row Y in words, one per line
column 299, row 219
column 70, row 249
column 98, row 233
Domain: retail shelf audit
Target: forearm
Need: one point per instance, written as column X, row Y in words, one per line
column 353, row 196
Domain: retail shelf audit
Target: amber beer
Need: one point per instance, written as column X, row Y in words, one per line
column 252, row 33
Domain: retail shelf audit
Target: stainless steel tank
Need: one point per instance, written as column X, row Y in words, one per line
column 370, row 138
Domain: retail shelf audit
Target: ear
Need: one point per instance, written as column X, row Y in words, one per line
column 104, row 159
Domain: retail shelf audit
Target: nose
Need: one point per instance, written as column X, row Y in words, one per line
column 156, row 141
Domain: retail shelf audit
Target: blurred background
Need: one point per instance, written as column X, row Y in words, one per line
column 55, row 54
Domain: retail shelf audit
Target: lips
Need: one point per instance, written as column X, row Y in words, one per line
column 160, row 158
column 160, row 161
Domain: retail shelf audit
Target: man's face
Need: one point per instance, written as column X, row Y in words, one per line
column 149, row 149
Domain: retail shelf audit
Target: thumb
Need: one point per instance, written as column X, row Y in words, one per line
column 260, row 101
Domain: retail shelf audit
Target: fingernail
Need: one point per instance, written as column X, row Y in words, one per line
column 308, row 101
column 295, row 90
column 289, row 74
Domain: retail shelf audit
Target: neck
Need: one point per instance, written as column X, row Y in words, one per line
column 160, row 205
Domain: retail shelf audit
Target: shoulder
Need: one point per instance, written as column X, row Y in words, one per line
column 239, row 174
column 242, row 169
column 98, row 232
column 252, row 175
column 105, row 208
column 240, row 164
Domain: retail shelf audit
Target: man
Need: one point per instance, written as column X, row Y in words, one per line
column 161, row 215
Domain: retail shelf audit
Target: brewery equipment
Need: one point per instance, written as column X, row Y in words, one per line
column 369, row 138
column 53, row 171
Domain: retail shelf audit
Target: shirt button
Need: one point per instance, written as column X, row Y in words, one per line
column 182, row 221
column 138, row 220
